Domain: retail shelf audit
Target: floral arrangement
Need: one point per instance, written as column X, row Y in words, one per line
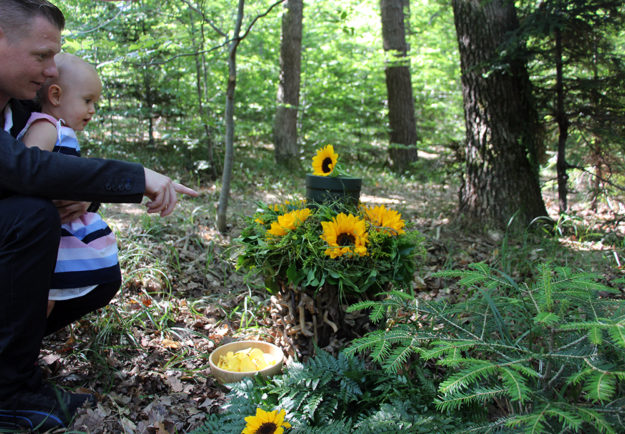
column 358, row 249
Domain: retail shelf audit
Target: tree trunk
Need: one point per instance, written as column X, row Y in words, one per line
column 200, row 87
column 563, row 127
column 229, row 120
column 502, row 127
column 285, row 122
column 200, row 90
column 148, row 104
column 403, row 129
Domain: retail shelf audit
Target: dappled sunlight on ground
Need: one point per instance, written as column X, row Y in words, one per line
column 378, row 200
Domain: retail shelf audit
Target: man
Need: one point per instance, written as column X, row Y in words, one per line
column 30, row 35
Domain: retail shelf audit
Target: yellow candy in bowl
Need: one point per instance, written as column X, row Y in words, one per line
column 234, row 361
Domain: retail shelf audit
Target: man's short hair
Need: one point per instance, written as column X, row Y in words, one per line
column 15, row 14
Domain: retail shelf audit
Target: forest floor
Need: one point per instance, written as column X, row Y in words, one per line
column 146, row 355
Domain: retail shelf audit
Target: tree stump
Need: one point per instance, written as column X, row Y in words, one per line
column 309, row 319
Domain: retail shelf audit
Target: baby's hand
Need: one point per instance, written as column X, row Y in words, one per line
column 70, row 210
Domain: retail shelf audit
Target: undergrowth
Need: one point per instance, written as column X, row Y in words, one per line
column 539, row 356
column 335, row 394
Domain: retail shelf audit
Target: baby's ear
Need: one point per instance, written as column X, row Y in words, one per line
column 54, row 94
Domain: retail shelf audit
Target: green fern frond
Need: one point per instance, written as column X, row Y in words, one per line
column 310, row 404
column 533, row 423
column 377, row 313
column 366, row 343
column 398, row 358
column 581, row 282
column 578, row 377
column 516, row 385
column 362, row 305
column 401, row 416
column 567, row 416
column 595, row 420
column 595, row 335
column 337, row 426
column 478, row 273
column 400, row 296
column 617, row 333
column 458, row 399
column 600, row 385
column 547, row 318
column 381, row 351
column 519, row 366
column 380, row 342
column 488, row 427
column 404, row 335
column 537, row 421
column 475, row 370
column 544, row 280
column 450, row 349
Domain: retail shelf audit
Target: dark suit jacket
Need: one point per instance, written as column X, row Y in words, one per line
column 33, row 172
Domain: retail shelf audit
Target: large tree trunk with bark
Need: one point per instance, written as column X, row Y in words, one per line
column 285, row 122
column 403, row 134
column 501, row 122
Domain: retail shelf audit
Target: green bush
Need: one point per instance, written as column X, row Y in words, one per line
column 545, row 356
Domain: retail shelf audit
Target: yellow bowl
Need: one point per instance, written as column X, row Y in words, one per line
column 225, row 377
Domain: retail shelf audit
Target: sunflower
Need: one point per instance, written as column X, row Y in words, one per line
column 266, row 422
column 289, row 221
column 387, row 220
column 324, row 162
column 345, row 234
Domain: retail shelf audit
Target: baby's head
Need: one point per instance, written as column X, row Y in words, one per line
column 72, row 95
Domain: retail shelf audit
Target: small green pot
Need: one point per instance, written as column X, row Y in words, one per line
column 329, row 189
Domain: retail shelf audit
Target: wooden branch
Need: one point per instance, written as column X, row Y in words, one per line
column 98, row 27
column 205, row 19
column 600, row 178
column 249, row 28
column 162, row 62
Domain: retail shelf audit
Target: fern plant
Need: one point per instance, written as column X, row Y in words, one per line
column 544, row 356
column 331, row 395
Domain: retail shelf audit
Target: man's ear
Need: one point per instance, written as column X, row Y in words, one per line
column 54, row 94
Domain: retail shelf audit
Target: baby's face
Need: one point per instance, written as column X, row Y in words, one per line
column 78, row 100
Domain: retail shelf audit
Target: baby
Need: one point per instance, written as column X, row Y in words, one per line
column 87, row 254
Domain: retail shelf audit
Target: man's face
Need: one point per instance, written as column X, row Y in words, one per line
column 27, row 59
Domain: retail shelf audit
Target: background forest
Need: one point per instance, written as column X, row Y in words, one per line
column 490, row 252
column 165, row 72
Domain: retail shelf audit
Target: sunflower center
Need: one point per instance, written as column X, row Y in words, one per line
column 267, row 428
column 326, row 165
column 345, row 239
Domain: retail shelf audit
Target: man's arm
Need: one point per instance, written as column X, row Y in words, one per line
column 33, row 172
column 162, row 192
column 30, row 171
